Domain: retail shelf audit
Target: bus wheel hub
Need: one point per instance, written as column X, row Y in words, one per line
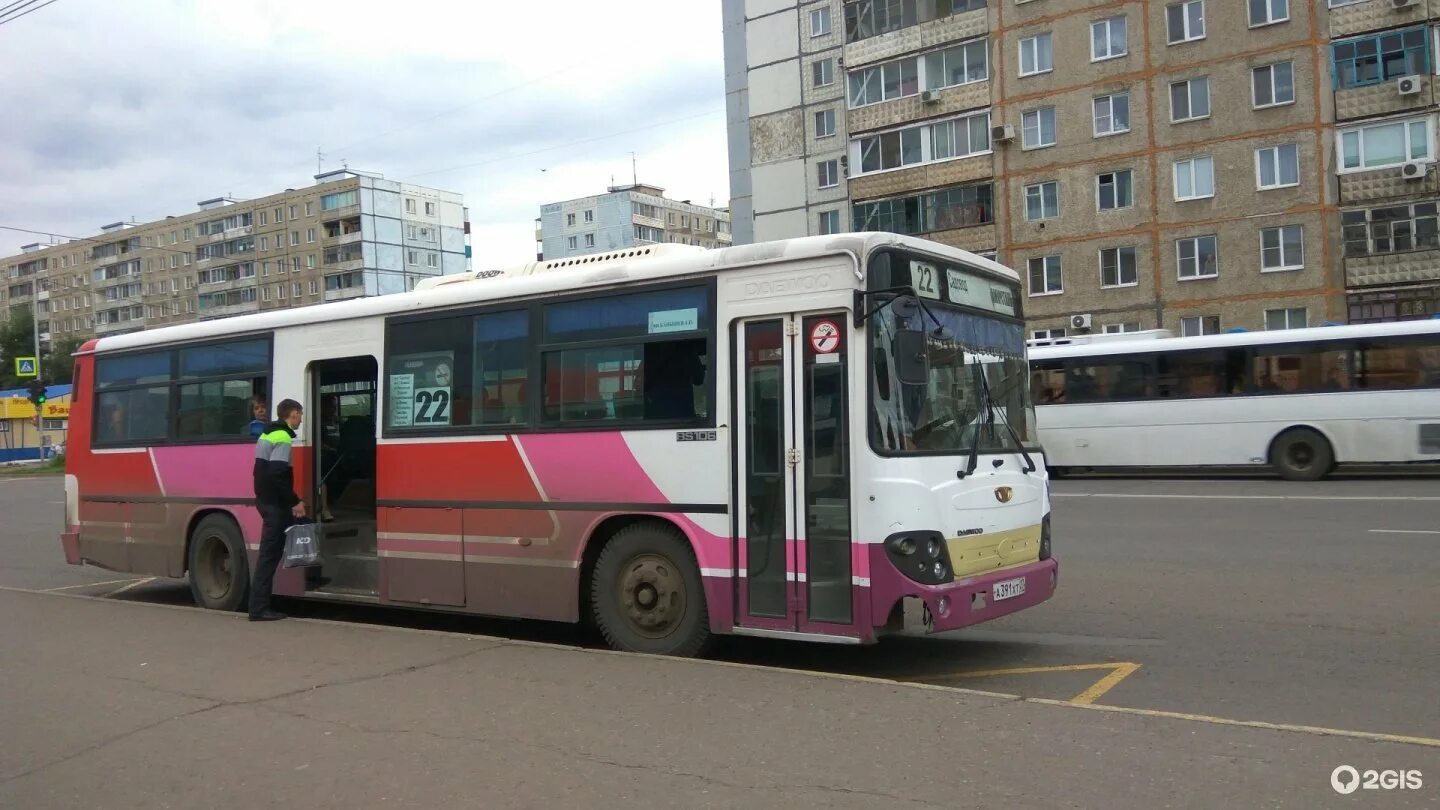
column 652, row 594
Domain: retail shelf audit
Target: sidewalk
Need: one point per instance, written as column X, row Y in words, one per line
column 132, row 705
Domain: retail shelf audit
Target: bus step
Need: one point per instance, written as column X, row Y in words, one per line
column 351, row 572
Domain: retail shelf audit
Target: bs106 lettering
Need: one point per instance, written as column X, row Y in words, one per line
column 695, row 436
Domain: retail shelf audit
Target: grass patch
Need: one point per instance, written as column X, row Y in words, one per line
column 55, row 466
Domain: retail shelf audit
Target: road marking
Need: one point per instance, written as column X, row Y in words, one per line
column 1119, row 671
column 1245, row 497
column 1319, row 731
column 87, row 585
column 123, row 588
column 1404, row 531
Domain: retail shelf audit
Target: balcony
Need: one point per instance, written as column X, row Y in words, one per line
column 331, row 268
column 345, row 293
column 651, row 222
column 344, row 238
column 229, row 310
column 238, row 231
column 340, row 213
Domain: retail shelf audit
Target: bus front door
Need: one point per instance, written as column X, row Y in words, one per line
column 793, row 527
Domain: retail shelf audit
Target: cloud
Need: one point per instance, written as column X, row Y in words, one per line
column 113, row 111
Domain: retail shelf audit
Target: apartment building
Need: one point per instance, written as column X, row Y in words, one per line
column 349, row 235
column 626, row 216
column 1142, row 164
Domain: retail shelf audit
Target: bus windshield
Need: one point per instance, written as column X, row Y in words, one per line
column 973, row 359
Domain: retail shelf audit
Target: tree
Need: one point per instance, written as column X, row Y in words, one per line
column 17, row 339
column 58, row 365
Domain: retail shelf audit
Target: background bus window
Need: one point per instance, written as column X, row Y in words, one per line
column 502, row 361
column 132, row 415
column 1398, row 364
column 1120, row 378
column 1301, row 369
column 1213, row 373
column 1047, row 382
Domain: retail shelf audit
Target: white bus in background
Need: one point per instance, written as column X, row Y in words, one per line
column 1299, row 401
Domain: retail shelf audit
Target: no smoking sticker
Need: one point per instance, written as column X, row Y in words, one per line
column 824, row 337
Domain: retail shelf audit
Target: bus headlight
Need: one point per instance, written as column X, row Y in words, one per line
column 1045, row 538
column 921, row 556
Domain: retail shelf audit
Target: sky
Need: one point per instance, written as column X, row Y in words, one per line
column 112, row 111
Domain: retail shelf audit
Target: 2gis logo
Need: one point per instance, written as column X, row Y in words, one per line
column 1346, row 779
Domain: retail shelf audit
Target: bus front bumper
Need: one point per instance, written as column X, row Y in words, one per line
column 964, row 602
column 70, row 542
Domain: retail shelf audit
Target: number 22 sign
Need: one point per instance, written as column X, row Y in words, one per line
column 431, row 406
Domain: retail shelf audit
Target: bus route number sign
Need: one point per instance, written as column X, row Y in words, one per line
column 824, row 337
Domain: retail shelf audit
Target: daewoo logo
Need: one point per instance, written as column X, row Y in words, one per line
column 1004, row 494
column 763, row 289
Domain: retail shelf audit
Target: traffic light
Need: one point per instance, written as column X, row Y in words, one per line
column 37, row 394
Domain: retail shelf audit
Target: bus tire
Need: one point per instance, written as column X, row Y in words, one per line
column 646, row 593
column 1301, row 454
column 219, row 568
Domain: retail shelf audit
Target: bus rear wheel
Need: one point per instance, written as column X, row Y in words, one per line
column 647, row 595
column 1301, row 454
column 219, row 569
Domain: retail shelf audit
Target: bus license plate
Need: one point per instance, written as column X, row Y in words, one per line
column 1007, row 589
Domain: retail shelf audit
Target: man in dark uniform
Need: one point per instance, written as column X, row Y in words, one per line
column 278, row 503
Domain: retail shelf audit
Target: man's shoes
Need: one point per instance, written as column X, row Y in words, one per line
column 268, row 616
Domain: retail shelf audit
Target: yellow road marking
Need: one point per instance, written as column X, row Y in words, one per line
column 87, row 585
column 1119, row 671
column 1105, row 684
column 123, row 588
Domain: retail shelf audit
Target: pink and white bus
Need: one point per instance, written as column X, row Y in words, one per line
column 827, row 438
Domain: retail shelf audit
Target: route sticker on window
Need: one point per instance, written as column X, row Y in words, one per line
column 824, row 337
column 402, row 400
column 420, row 390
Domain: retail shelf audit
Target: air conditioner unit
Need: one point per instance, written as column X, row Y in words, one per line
column 1408, row 85
column 929, row 97
column 1414, row 170
column 1403, row 4
column 1080, row 321
column 1002, row 133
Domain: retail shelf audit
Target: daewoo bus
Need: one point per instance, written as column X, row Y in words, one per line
column 1299, row 401
column 827, row 438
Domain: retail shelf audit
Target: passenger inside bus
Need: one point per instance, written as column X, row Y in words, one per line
column 670, row 373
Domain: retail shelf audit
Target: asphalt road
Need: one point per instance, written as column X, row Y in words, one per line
column 1249, row 600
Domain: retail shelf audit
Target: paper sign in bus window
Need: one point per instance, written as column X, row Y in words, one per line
column 421, row 390
column 674, row 320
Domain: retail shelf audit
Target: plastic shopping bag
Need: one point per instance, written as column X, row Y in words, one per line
column 302, row 545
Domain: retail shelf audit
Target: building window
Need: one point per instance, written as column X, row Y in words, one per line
column 1042, row 201
column 1198, row 257
column 1377, row 58
column 824, row 123
column 310, row 235
column 822, row 73
column 1120, row 328
column 1117, row 267
column 962, row 64
column 264, row 217
column 314, row 287
column 1045, row 276
column 865, row 20
column 1282, row 248
column 926, row 143
column 589, row 215
column 1392, row 229
column 569, row 222
column 1190, row 99
column 1112, row 114
column 1387, row 144
column 1036, row 55
column 955, row 207
column 827, row 173
column 1037, row 128
column 279, row 216
column 293, row 209
column 1047, row 334
column 1185, row 22
column 1113, row 190
column 294, row 238
column 429, row 209
column 309, row 209
column 589, row 240
column 338, row 199
column 820, row 22
column 1108, row 39
column 885, row 82
column 1273, row 85
column 1268, row 12
column 829, row 222
column 572, row 243
column 1196, row 325
column 280, row 291
column 1291, row 318
column 1194, row 178
column 409, row 205
column 264, row 243
column 1277, row 166
column 310, row 261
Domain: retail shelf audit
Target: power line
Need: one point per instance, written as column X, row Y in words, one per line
column 6, row 9
column 31, row 11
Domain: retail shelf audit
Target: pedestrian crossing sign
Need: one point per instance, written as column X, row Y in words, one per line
column 24, row 367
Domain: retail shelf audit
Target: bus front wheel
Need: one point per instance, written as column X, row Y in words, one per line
column 647, row 595
column 219, row 569
column 1301, row 454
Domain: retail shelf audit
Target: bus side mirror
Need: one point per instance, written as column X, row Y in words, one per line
column 912, row 358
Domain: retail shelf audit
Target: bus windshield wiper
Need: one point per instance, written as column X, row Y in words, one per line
column 988, row 403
